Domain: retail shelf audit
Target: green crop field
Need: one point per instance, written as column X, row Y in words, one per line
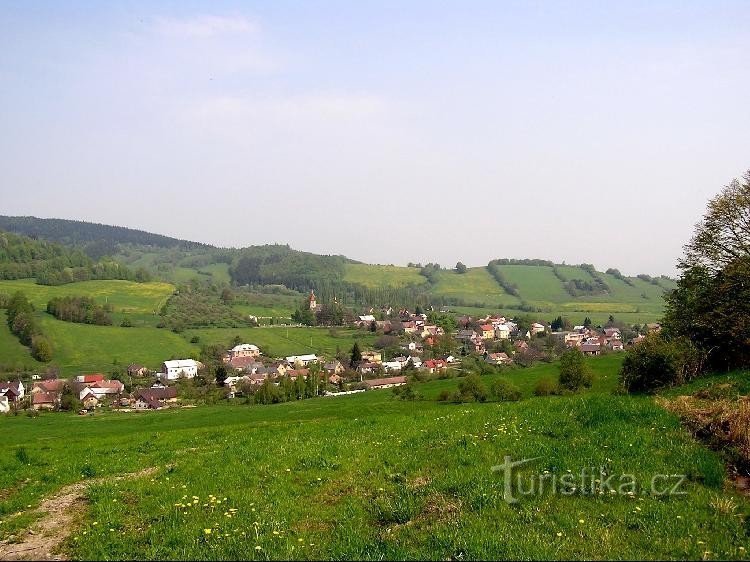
column 281, row 341
column 371, row 477
column 382, row 275
column 536, row 283
column 474, row 286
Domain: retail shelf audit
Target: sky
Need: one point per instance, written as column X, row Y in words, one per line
column 388, row 132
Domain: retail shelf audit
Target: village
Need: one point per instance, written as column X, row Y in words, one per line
column 424, row 350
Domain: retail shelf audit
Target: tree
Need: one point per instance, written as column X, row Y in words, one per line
column 472, row 389
column 659, row 362
column 227, row 296
column 574, row 373
column 356, row 356
column 587, row 322
column 221, row 375
column 557, row 324
column 41, row 349
column 460, row 268
column 723, row 235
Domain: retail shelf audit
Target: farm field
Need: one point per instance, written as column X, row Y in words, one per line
column 13, row 355
column 382, row 275
column 474, row 286
column 368, row 476
column 281, row 341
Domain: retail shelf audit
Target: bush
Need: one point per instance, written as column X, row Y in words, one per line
column 574, row 373
column 545, row 387
column 472, row 389
column 126, row 323
column 505, row 391
column 659, row 363
column 41, row 349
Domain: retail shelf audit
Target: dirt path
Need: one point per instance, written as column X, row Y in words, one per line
column 43, row 539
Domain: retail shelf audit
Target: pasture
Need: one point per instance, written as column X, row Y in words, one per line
column 474, row 286
column 382, row 275
column 369, row 476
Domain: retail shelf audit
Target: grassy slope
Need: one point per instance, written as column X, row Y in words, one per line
column 13, row 355
column 476, row 285
column 536, row 283
column 382, row 275
column 280, row 341
column 125, row 296
column 367, row 476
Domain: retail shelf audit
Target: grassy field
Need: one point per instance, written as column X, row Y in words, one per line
column 125, row 296
column 474, row 286
column 368, row 476
column 13, row 355
column 382, row 275
column 281, row 341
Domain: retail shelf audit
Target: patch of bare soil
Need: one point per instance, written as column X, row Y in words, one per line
column 43, row 540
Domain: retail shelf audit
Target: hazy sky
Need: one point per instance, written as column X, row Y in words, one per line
column 385, row 131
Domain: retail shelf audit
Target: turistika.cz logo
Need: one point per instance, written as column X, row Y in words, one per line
column 589, row 481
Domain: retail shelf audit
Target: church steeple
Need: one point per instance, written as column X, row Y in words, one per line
column 312, row 300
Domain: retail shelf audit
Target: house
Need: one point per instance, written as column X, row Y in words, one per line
column 612, row 333
column 591, row 348
column 52, row 385
column 638, row 339
column 498, row 359
column 302, row 360
column 96, row 377
column 88, row 399
column 435, row 365
column 388, row 382
column 334, row 368
column 537, row 328
column 465, row 335
column 521, row 346
column 334, row 379
column 106, row 388
column 45, row 400
column 14, row 391
column 178, row 368
column 653, row 327
column 365, row 320
column 294, row 373
column 4, row 405
column 372, row 356
column 312, row 302
column 366, row 368
column 502, row 331
column 616, row 345
column 573, row 339
column 243, row 363
column 244, row 350
column 154, row 398
column 136, row 370
column 409, row 327
column 487, row 331
column 392, row 365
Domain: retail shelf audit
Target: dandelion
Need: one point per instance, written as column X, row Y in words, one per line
column 96, row 522
column 111, row 530
column 580, row 521
column 300, row 540
column 207, row 531
column 257, row 547
column 559, row 534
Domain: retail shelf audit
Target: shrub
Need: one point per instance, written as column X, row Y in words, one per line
column 22, row 455
column 545, row 387
column 126, row 323
column 505, row 391
column 658, row 363
column 41, row 349
column 472, row 389
column 574, row 373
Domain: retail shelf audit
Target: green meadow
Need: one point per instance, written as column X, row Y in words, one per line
column 369, row 476
column 382, row 275
column 474, row 286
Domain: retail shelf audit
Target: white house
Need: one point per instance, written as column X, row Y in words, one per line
column 244, row 350
column 537, row 328
column 4, row 405
column 392, row 365
column 502, row 332
column 178, row 368
column 14, row 391
column 303, row 360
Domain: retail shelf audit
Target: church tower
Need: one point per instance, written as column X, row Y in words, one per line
column 311, row 299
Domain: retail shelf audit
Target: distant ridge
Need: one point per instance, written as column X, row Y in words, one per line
column 82, row 233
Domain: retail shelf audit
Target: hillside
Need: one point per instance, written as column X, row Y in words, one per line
column 372, row 477
column 509, row 286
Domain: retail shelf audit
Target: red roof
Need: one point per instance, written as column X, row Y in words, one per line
column 382, row 382
column 44, row 398
column 487, row 328
column 53, row 385
column 96, row 377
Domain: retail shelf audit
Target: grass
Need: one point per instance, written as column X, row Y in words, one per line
column 125, row 296
column 281, row 341
column 84, row 347
column 368, row 476
column 474, row 286
column 13, row 355
column 382, row 275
